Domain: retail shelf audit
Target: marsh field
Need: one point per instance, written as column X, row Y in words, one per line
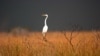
column 59, row 43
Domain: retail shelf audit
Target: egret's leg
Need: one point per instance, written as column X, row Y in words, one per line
column 43, row 34
column 44, row 37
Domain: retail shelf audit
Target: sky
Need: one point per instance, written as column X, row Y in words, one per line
column 63, row 14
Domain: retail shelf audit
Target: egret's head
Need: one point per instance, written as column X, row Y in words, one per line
column 45, row 15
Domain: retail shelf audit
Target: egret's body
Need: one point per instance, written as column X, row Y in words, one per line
column 45, row 27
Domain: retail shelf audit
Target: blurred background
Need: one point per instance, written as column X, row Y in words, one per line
column 63, row 14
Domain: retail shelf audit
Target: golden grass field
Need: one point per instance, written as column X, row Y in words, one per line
column 77, row 43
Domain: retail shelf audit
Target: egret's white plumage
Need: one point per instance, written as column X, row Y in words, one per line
column 45, row 27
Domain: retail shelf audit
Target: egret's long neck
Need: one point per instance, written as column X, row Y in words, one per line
column 45, row 23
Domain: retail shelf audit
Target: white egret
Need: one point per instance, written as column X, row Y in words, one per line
column 45, row 27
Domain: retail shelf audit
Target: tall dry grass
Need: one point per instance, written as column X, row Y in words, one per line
column 77, row 43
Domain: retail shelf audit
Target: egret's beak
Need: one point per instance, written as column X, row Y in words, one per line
column 44, row 14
